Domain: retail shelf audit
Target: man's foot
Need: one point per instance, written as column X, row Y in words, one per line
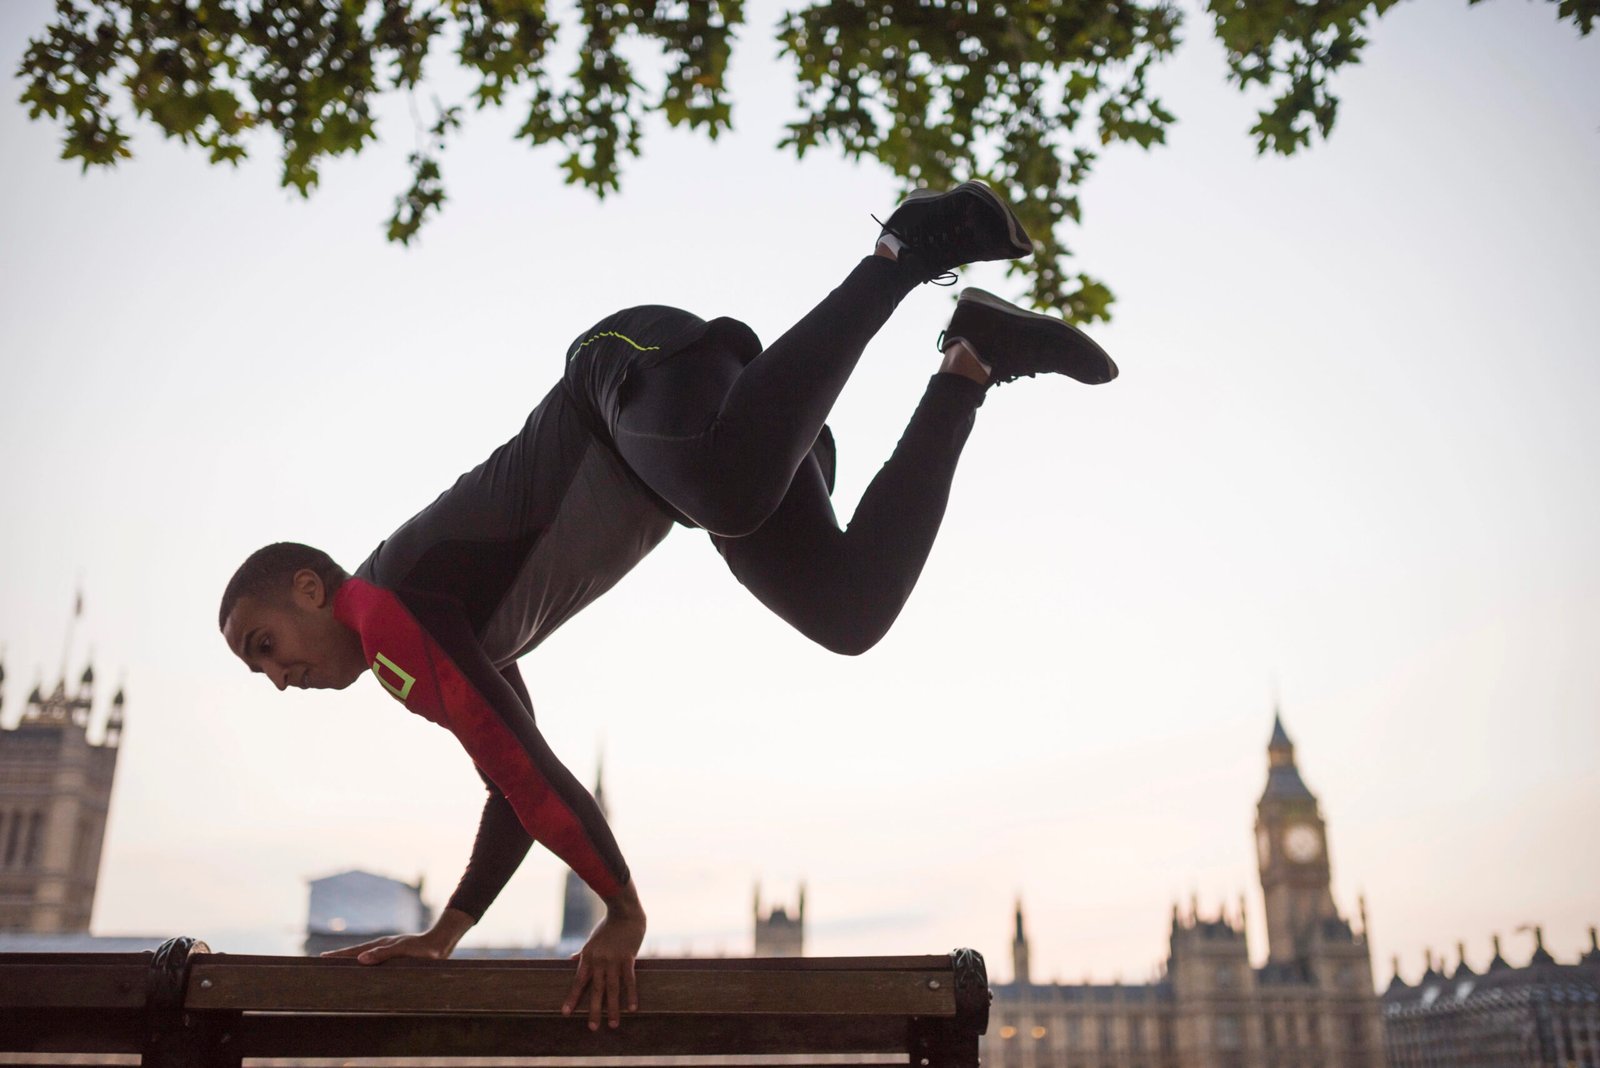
column 1015, row 343
column 935, row 232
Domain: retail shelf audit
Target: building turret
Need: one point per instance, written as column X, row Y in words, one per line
column 1540, row 954
column 114, row 720
column 777, row 934
column 1396, row 983
column 580, row 905
column 1208, row 958
column 1019, row 952
column 1498, row 962
column 1463, row 971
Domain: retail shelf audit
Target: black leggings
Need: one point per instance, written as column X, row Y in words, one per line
column 733, row 447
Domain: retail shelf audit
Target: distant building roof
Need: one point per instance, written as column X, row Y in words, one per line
column 359, row 902
column 77, row 942
column 1071, row 992
column 1574, row 983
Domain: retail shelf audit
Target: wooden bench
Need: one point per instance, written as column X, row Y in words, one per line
column 185, row 1007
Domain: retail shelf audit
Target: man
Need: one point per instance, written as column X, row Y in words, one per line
column 660, row 418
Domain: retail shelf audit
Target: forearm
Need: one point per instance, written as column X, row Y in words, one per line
column 497, row 851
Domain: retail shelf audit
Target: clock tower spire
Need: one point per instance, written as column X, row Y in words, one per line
column 1292, row 849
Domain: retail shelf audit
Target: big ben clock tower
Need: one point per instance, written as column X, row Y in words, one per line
column 1292, row 848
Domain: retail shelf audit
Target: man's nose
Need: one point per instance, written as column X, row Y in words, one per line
column 281, row 679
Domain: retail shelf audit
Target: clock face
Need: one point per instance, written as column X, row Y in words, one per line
column 1302, row 843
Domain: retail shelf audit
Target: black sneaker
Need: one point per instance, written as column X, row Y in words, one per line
column 1016, row 343
column 964, row 225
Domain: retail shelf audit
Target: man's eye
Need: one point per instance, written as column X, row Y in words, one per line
column 264, row 646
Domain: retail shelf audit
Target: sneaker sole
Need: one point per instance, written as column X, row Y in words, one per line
column 1019, row 237
column 982, row 297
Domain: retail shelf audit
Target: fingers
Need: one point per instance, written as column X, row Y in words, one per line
column 614, row 995
column 608, row 986
column 347, row 951
column 577, row 987
column 357, row 951
column 597, row 992
column 378, row 954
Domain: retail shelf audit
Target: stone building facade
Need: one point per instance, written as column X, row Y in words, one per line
column 1311, row 1005
column 1545, row 1014
column 55, row 793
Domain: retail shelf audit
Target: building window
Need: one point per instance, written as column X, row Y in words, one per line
column 1168, row 1039
column 1269, row 1029
column 1136, row 1035
column 1356, row 1031
column 13, row 838
column 30, row 856
column 1105, row 1035
column 1228, row 1032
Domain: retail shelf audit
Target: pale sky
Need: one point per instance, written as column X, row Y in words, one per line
column 1350, row 459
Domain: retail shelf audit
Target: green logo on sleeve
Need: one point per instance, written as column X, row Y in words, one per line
column 402, row 687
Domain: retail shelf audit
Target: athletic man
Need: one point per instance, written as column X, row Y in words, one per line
column 660, row 418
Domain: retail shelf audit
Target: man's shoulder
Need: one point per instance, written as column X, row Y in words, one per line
column 366, row 571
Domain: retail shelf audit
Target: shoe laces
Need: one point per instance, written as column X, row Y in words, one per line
column 940, row 239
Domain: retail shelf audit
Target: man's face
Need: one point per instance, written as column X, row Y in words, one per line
column 294, row 639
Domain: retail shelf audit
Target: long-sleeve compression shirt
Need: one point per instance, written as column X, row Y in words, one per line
column 448, row 602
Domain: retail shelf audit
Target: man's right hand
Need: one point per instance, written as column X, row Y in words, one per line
column 437, row 943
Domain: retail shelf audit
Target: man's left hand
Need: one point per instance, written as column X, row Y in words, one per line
column 605, row 964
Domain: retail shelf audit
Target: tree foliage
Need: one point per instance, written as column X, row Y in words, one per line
column 1020, row 93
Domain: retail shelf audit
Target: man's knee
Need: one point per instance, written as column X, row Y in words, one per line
column 849, row 636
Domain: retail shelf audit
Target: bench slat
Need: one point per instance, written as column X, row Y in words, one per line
column 72, row 1031
column 72, row 986
column 217, row 982
column 921, row 963
column 419, row 1037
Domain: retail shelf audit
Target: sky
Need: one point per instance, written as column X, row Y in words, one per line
column 1348, row 469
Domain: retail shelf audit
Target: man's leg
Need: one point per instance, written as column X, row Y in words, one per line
column 843, row 588
column 720, row 442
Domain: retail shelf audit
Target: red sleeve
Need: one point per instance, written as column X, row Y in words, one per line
column 423, row 652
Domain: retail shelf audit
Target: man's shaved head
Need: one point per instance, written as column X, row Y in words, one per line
column 268, row 572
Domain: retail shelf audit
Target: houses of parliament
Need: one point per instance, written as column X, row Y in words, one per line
column 1311, row 1005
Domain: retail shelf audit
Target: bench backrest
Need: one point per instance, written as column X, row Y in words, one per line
column 183, row 1006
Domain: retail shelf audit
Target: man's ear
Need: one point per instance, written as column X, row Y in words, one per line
column 308, row 588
